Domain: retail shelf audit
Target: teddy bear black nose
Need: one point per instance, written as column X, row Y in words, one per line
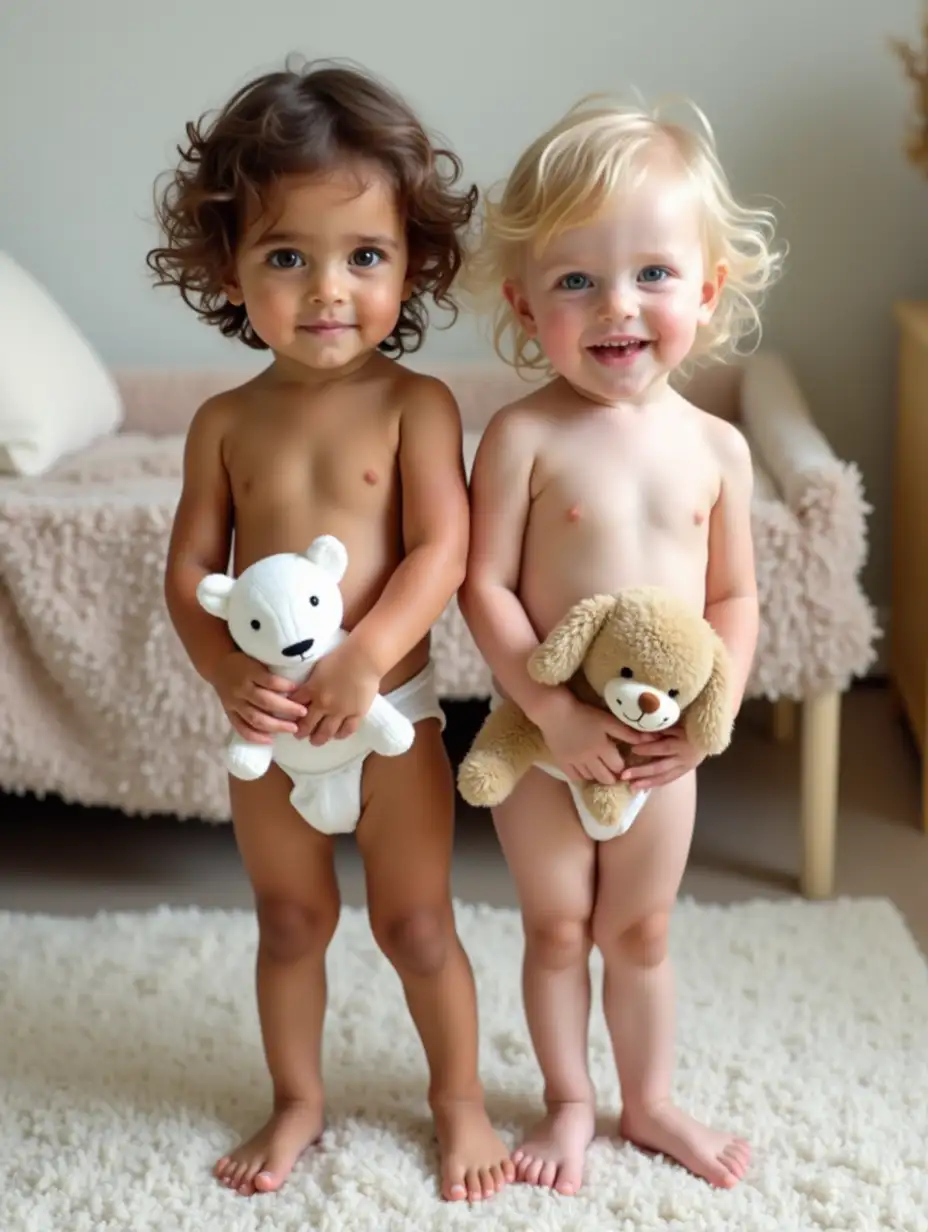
column 298, row 648
column 648, row 703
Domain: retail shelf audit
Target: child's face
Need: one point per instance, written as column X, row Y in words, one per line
column 616, row 304
column 322, row 271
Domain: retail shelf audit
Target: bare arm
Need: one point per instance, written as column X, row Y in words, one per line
column 435, row 529
column 200, row 541
column 253, row 698
column 731, row 583
column 500, row 495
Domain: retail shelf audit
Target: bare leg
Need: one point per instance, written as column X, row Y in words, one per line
column 639, row 876
column 296, row 894
column 553, row 863
column 405, row 837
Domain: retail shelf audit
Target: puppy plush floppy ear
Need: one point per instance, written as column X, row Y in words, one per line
column 709, row 718
column 560, row 655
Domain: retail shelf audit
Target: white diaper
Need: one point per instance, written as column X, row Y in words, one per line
column 595, row 829
column 327, row 779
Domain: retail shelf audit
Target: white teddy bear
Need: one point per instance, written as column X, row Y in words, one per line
column 286, row 611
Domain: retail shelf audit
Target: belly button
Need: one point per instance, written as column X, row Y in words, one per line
column 574, row 513
column 370, row 477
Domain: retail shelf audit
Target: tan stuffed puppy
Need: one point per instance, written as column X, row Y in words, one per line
column 645, row 655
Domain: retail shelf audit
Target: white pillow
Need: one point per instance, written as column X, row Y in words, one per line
column 55, row 394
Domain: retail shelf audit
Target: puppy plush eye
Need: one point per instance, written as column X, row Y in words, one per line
column 673, row 692
column 256, row 624
column 314, row 600
column 626, row 673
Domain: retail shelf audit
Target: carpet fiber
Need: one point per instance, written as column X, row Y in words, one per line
column 130, row 1059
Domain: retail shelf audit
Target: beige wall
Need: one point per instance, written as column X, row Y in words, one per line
column 806, row 100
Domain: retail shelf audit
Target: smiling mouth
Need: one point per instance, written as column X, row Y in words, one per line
column 332, row 327
column 615, row 350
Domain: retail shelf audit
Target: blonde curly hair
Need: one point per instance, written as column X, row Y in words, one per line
column 565, row 178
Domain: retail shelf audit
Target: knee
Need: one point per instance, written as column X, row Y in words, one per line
column 557, row 943
column 416, row 942
column 291, row 930
column 642, row 944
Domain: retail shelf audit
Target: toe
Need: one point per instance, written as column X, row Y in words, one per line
column 487, row 1183
column 509, row 1171
column 569, row 1180
column 220, row 1169
column 498, row 1177
column 453, row 1188
column 474, row 1186
column 237, row 1175
column 548, row 1173
column 517, row 1156
column 533, row 1171
column 267, row 1182
column 720, row 1175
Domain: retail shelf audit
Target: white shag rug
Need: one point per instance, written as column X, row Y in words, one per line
column 130, row 1060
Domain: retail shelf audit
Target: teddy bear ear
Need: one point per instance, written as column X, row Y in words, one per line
column 213, row 593
column 560, row 655
column 329, row 554
column 708, row 719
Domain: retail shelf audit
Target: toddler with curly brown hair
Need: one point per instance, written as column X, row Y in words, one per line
column 312, row 218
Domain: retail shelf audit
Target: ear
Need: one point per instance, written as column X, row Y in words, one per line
column 233, row 293
column 329, row 554
column 560, row 655
column 711, row 290
column 708, row 720
column 213, row 594
column 517, row 301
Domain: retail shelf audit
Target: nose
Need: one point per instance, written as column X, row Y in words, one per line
column 298, row 648
column 325, row 286
column 648, row 702
column 618, row 303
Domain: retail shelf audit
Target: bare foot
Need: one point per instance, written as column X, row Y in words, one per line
column 474, row 1162
column 264, row 1162
column 553, row 1153
column 720, row 1159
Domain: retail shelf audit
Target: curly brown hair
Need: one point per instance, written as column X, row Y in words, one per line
column 303, row 122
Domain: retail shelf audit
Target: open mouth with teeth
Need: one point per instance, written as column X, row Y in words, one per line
column 619, row 352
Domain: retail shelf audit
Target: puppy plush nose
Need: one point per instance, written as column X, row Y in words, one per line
column 298, row 648
column 647, row 701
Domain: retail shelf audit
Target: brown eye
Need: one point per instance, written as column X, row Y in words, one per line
column 673, row 692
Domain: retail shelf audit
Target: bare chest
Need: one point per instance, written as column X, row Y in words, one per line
column 307, row 459
column 622, row 482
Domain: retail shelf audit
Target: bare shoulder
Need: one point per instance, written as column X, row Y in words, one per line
column 725, row 440
column 521, row 426
column 213, row 420
column 419, row 395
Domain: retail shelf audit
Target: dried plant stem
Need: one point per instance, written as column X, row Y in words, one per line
column 914, row 62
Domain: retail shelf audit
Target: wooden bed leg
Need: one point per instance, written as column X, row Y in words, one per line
column 784, row 720
column 821, row 737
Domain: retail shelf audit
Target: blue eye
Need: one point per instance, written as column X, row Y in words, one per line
column 366, row 258
column 654, row 273
column 575, row 282
column 284, row 259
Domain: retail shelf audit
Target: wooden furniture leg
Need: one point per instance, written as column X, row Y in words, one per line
column 821, row 737
column 784, row 720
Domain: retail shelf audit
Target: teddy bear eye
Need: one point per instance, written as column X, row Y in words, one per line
column 314, row 600
column 626, row 673
column 256, row 624
column 673, row 692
